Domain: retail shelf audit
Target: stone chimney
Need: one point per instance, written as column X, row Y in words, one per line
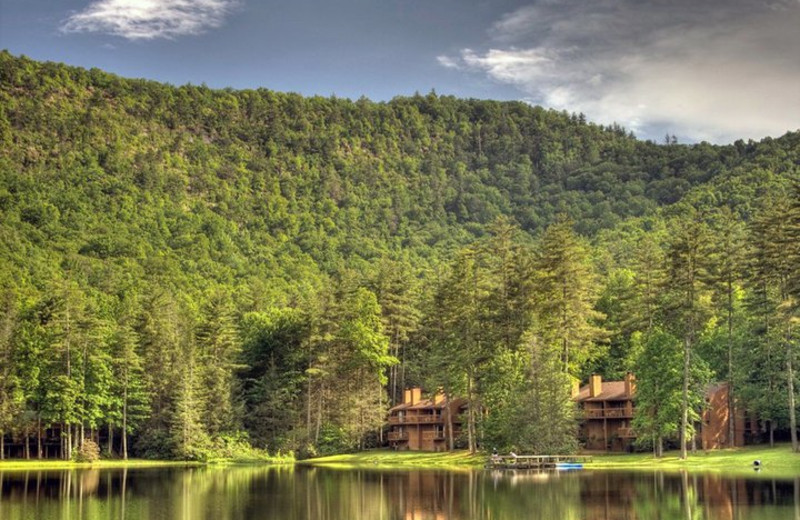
column 595, row 385
column 406, row 396
column 630, row 384
column 438, row 398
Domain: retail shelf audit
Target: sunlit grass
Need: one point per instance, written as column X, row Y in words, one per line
column 779, row 461
column 113, row 463
column 51, row 464
column 407, row 459
column 775, row 462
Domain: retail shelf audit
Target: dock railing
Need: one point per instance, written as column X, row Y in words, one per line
column 535, row 461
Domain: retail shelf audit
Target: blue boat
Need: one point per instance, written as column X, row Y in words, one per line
column 569, row 465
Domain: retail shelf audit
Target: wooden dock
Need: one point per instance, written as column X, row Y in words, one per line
column 536, row 461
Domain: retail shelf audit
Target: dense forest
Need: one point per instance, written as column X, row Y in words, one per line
column 186, row 269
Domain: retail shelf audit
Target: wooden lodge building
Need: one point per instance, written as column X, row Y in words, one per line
column 608, row 407
column 607, row 411
column 423, row 424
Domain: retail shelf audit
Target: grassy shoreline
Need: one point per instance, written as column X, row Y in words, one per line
column 460, row 459
column 775, row 462
column 778, row 462
column 45, row 464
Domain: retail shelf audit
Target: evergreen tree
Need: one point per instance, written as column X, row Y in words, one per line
column 565, row 297
column 218, row 349
column 688, row 300
column 659, row 370
column 544, row 414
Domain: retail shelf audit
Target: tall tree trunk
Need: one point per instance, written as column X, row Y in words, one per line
column 68, row 453
column 110, row 448
column 2, row 445
column 380, row 414
column 790, row 382
column 39, row 437
column 125, row 423
column 685, row 399
column 308, row 409
column 450, row 435
column 471, row 416
column 771, row 433
column 27, row 444
column 659, row 447
column 731, row 410
column 319, row 412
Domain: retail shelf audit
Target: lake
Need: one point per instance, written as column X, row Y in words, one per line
column 250, row 492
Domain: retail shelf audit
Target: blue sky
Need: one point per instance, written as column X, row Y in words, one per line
column 715, row 70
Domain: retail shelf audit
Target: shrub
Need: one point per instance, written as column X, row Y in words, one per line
column 89, row 451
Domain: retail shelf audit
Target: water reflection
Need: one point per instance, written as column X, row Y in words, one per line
column 247, row 492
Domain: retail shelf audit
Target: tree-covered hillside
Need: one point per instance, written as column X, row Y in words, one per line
column 188, row 264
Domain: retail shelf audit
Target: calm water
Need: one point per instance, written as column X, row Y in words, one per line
column 327, row 494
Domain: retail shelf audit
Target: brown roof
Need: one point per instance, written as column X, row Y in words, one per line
column 610, row 391
column 426, row 404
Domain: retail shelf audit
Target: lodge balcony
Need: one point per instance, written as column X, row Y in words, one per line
column 398, row 436
column 608, row 413
column 626, row 433
column 416, row 419
column 432, row 435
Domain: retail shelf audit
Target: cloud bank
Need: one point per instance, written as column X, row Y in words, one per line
column 714, row 70
column 149, row 19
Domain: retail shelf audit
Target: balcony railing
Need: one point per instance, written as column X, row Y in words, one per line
column 416, row 419
column 398, row 436
column 432, row 435
column 608, row 413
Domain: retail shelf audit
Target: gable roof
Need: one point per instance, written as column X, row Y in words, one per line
column 427, row 404
column 610, row 391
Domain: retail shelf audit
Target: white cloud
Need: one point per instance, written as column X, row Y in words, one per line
column 715, row 70
column 149, row 19
column 448, row 62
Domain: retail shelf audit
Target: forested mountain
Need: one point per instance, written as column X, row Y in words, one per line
column 193, row 265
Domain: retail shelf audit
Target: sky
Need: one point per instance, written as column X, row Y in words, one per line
column 703, row 70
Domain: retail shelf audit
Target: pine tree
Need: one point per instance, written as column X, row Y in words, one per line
column 219, row 349
column 397, row 293
column 728, row 257
column 688, row 299
column 774, row 237
column 565, row 294
column 11, row 391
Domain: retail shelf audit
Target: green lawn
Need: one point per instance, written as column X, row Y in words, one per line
column 403, row 459
column 35, row 464
column 775, row 462
column 48, row 464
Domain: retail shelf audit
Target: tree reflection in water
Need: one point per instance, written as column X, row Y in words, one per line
column 250, row 492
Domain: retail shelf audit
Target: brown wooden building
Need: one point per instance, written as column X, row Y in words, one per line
column 607, row 410
column 714, row 431
column 422, row 424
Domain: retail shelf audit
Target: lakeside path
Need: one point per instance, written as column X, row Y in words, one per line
column 777, row 462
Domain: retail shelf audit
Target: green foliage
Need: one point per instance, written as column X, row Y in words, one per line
column 182, row 263
column 88, row 451
column 543, row 417
column 659, row 369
